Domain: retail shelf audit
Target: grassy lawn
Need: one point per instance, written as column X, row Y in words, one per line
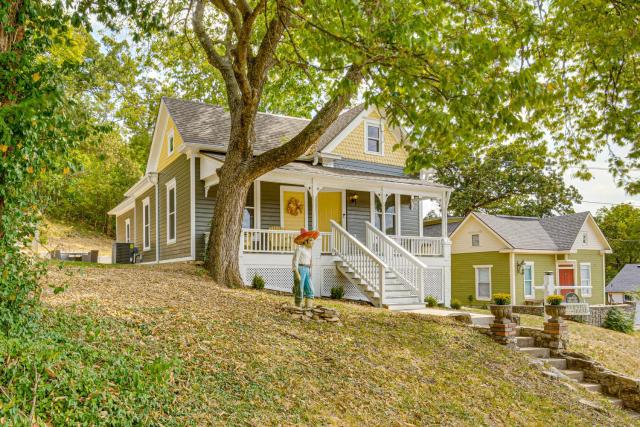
column 165, row 345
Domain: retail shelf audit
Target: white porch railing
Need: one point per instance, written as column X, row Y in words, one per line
column 276, row 241
column 359, row 258
column 406, row 266
column 421, row 246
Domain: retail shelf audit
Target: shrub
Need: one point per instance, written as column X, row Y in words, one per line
column 257, row 282
column 501, row 299
column 455, row 304
column 555, row 299
column 431, row 301
column 337, row 292
column 470, row 298
column 616, row 320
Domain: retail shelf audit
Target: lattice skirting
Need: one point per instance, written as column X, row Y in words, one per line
column 276, row 278
column 281, row 279
column 332, row 277
column 434, row 283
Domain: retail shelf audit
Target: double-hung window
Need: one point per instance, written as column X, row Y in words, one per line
column 127, row 230
column 475, row 240
column 386, row 220
column 170, row 142
column 171, row 211
column 249, row 213
column 146, row 224
column 483, row 282
column 373, row 138
column 528, row 280
column 585, row 279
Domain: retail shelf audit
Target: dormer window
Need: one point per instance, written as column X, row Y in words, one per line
column 373, row 138
column 170, row 143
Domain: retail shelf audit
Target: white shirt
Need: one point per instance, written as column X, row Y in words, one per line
column 302, row 255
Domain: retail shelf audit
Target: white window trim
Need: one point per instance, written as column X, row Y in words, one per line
column 585, row 238
column 373, row 213
column 472, row 245
column 127, row 230
column 490, row 267
column 171, row 149
column 584, row 292
column 171, row 185
column 533, row 275
column 146, row 245
column 293, row 188
column 378, row 124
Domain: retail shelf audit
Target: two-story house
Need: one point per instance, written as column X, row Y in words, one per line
column 352, row 188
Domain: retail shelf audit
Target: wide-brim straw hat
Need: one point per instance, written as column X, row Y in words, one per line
column 306, row 234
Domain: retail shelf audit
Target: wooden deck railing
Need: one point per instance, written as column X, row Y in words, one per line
column 276, row 241
column 421, row 246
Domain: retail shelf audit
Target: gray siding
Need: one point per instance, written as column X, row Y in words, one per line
column 270, row 204
column 359, row 213
column 409, row 218
column 149, row 255
column 180, row 170
column 121, row 234
column 362, row 166
column 204, row 211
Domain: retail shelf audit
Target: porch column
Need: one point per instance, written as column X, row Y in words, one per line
column 444, row 203
column 316, row 272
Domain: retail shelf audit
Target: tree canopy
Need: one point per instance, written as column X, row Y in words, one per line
column 507, row 180
column 621, row 225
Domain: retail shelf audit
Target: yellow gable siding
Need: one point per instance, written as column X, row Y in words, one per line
column 352, row 147
column 165, row 160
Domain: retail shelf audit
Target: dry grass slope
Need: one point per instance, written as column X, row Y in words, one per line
column 241, row 361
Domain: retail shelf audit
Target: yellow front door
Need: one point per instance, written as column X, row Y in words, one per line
column 293, row 210
column 329, row 208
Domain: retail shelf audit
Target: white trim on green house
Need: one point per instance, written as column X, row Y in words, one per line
column 477, row 268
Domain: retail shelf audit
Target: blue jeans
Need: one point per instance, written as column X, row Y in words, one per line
column 306, row 287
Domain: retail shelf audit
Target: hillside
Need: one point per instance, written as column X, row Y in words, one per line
column 164, row 344
column 72, row 238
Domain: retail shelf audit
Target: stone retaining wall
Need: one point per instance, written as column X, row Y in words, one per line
column 597, row 317
column 543, row 339
column 599, row 313
column 534, row 310
column 614, row 384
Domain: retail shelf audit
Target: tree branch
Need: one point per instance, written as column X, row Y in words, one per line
column 308, row 136
column 215, row 59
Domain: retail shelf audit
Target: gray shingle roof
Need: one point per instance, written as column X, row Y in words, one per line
column 200, row 123
column 553, row 234
column 307, row 168
column 627, row 280
column 435, row 230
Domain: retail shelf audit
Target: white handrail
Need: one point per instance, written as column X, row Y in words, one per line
column 403, row 263
column 359, row 258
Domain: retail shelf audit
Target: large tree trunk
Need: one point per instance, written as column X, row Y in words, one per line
column 226, row 226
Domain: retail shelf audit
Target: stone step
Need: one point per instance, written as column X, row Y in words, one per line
column 593, row 388
column 536, row 352
column 574, row 375
column 525, row 341
column 615, row 401
column 557, row 363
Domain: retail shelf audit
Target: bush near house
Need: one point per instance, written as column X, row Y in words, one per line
column 616, row 320
column 455, row 304
column 337, row 292
column 257, row 282
column 431, row 301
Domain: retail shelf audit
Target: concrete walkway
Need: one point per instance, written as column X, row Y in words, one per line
column 476, row 318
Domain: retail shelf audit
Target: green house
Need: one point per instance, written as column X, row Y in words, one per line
column 509, row 254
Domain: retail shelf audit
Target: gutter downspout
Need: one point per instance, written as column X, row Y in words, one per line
column 157, row 219
column 512, row 277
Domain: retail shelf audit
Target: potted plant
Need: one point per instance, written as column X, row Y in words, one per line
column 554, row 309
column 501, row 307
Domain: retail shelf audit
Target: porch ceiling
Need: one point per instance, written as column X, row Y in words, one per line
column 328, row 177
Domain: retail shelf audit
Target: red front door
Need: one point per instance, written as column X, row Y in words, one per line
column 566, row 279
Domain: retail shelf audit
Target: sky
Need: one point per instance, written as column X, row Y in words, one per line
column 601, row 191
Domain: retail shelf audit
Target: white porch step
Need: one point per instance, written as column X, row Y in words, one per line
column 389, row 300
column 404, row 307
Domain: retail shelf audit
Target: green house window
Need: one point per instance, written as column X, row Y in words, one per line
column 483, row 282
column 528, row 280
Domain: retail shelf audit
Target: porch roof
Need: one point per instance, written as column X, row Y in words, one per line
column 307, row 170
